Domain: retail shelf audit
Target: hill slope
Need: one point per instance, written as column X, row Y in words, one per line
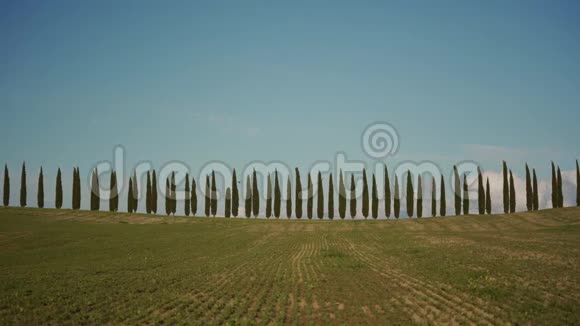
column 64, row 266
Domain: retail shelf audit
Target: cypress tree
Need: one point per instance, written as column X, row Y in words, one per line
column 269, row 197
column 374, row 199
column 74, row 189
column 255, row 195
column 309, row 204
column 352, row 197
column 214, row 195
column 330, row 198
column 153, row 192
column 235, row 195
column 433, row 197
column 167, row 197
column 506, row 195
column 194, row 198
column 341, row 196
column 535, row 191
column 487, row 198
column 560, row 194
column 78, row 189
column 130, row 196
column 95, row 191
column 529, row 191
column 248, row 202
column 457, row 191
column 173, row 194
column 298, row 195
column 6, row 197
column 419, row 197
column 554, row 187
column 365, row 195
column 40, row 192
column 512, row 194
column 410, row 195
column 465, row 196
column 480, row 192
column 443, row 203
column 112, row 191
column 397, row 199
column 23, row 186
column 387, row 193
column 187, row 199
column 207, row 197
column 577, row 184
column 289, row 198
column 58, row 190
column 135, row 192
column 320, row 201
column 148, row 194
column 228, row 204
column 277, row 195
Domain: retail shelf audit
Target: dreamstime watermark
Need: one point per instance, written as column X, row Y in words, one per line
column 379, row 141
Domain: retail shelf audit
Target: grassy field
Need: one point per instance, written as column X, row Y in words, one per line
column 81, row 267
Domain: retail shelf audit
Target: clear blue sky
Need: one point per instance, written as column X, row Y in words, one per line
column 296, row 82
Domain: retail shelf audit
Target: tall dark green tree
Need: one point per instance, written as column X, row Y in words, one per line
column 374, row 199
column 433, row 197
column 153, row 192
column 255, row 195
column 277, row 195
column 194, row 199
column 173, row 194
column 554, row 187
column 135, row 192
column 23, row 186
column 207, row 197
column 78, row 189
column 95, row 191
column 480, row 192
column 58, row 190
column 130, row 196
column 148, row 194
column 228, row 204
column 410, row 195
column 330, row 198
column 535, row 191
column 443, row 201
column 167, row 197
column 320, row 201
column 419, row 197
column 529, row 190
column 387, row 190
column 248, row 197
column 289, row 198
column 365, row 195
column 187, row 199
column 397, row 198
column 560, row 193
column 74, row 189
column 113, row 192
column 341, row 196
column 352, row 197
column 487, row 198
column 214, row 195
column 512, row 194
column 269, row 197
column 6, row 197
column 310, row 200
column 465, row 196
column 235, row 195
column 577, row 184
column 40, row 191
column 457, row 191
column 506, row 192
column 298, row 196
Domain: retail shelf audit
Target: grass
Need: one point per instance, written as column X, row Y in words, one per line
column 71, row 267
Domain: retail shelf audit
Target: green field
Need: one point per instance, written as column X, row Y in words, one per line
column 61, row 266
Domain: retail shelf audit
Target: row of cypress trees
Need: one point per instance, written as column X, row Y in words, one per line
column 274, row 196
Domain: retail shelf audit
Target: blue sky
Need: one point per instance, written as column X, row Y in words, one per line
column 295, row 82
